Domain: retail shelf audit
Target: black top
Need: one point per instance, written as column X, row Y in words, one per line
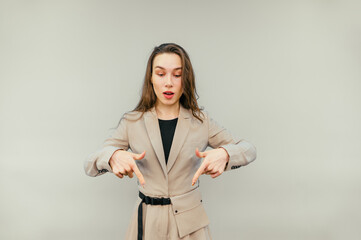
column 167, row 129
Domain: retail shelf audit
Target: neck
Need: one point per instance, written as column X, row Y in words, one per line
column 166, row 112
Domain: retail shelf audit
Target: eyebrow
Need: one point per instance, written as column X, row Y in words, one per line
column 164, row 68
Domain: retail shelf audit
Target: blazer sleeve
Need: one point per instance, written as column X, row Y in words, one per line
column 97, row 163
column 240, row 151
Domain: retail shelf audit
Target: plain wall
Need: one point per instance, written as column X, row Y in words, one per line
column 284, row 75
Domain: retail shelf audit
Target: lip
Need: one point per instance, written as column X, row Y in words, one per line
column 167, row 95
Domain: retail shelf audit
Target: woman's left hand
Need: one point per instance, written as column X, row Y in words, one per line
column 214, row 163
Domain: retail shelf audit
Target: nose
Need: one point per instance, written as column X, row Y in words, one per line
column 168, row 82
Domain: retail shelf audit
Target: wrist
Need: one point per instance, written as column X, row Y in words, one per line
column 226, row 154
column 114, row 153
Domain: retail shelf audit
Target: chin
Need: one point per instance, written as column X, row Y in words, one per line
column 167, row 103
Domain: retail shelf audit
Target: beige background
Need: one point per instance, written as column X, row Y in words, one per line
column 284, row 75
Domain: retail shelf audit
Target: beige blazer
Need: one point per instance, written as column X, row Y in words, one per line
column 185, row 218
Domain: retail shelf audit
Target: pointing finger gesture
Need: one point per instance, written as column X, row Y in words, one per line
column 214, row 163
column 135, row 168
column 201, row 169
column 123, row 163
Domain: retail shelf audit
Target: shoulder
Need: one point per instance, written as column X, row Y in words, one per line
column 129, row 118
column 198, row 117
column 209, row 120
column 132, row 115
column 204, row 114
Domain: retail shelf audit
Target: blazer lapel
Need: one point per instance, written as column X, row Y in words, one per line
column 180, row 134
column 181, row 131
column 152, row 126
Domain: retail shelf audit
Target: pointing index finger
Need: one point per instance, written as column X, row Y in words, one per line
column 138, row 174
column 199, row 172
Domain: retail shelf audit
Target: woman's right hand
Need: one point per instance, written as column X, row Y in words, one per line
column 123, row 163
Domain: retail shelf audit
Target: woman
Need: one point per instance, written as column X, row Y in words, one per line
column 167, row 133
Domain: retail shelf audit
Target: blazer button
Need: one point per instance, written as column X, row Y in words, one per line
column 234, row 167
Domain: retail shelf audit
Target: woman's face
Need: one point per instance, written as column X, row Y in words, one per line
column 167, row 79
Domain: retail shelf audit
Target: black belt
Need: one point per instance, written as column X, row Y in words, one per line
column 151, row 201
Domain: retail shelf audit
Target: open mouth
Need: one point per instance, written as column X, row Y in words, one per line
column 168, row 94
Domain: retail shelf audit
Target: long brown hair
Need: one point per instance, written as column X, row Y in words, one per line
column 189, row 96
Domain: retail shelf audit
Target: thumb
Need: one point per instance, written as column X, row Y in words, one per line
column 139, row 156
column 200, row 154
